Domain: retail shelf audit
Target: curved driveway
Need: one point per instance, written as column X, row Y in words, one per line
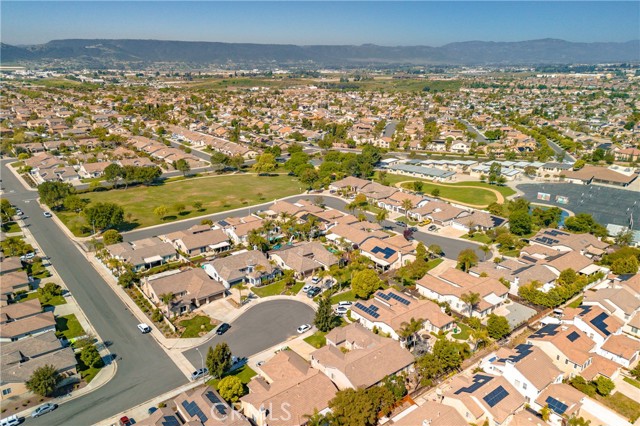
column 260, row 327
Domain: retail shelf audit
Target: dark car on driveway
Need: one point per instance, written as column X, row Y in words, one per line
column 223, row 328
column 313, row 292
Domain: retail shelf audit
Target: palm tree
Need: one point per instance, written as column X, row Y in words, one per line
column 317, row 419
column 407, row 205
column 241, row 286
column 485, row 249
column 166, row 299
column 409, row 329
column 381, row 215
column 471, row 299
column 480, row 337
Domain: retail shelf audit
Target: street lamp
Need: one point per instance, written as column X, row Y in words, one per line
column 202, row 364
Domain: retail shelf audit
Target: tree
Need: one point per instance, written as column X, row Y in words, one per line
column 198, row 205
column 104, row 215
column 266, row 163
column 7, row 211
column 467, row 259
column 624, row 238
column 90, row 356
column 418, row 185
column 53, row 193
column 435, row 249
column 498, row 327
column 74, row 203
column 579, row 164
column 520, row 222
column 179, row 207
column 218, row 360
column 545, row 412
column 365, row 282
column 236, row 161
column 231, row 388
column 49, row 291
column 126, row 279
column 604, row 385
column 111, row 236
column 486, row 250
column 625, row 265
column 471, row 299
column 325, row 320
column 113, row 173
column 44, row 380
column 408, row 330
column 166, row 298
column 183, row 166
column 160, row 211
column 406, row 206
column 579, row 421
column 382, row 215
column 353, row 407
column 435, row 192
column 220, row 160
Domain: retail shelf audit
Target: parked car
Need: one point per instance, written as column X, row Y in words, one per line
column 199, row 373
column 306, row 288
column 413, row 229
column 432, row 228
column 222, row 329
column 11, row 421
column 19, row 212
column 152, row 410
column 304, row 328
column 425, row 222
column 125, row 421
column 341, row 310
column 315, row 280
column 144, row 328
column 345, row 303
column 47, row 214
column 43, row 409
column 313, row 292
column 401, row 224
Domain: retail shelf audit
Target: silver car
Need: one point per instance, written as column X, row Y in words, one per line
column 43, row 409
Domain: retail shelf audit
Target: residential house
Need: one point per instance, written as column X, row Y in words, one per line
column 526, row 367
column 355, row 357
column 483, row 397
column 238, row 228
column 304, row 259
column 190, row 288
column 287, row 391
column 93, row 170
column 430, row 414
column 24, row 327
column 389, row 311
column 202, row 406
column 13, row 282
column 199, row 239
column 19, row 359
column 163, row 416
column 586, row 244
column 597, row 324
column 621, row 349
column 452, row 284
column 568, row 347
column 143, row 254
column 251, row 267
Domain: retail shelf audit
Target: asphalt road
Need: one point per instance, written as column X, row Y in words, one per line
column 259, row 328
column 144, row 371
column 450, row 246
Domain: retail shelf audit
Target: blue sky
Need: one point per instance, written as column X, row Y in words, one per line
column 384, row 23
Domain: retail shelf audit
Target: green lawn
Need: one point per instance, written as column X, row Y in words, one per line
column 244, row 373
column 345, row 296
column 464, row 332
column 622, row 404
column 270, row 289
column 317, row 339
column 10, row 227
column 195, row 326
column 511, row 253
column 69, row 326
column 478, row 237
column 576, row 302
column 295, row 289
column 54, row 301
column 632, row 382
column 217, row 193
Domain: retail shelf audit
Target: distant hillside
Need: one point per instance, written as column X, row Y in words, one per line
column 545, row 51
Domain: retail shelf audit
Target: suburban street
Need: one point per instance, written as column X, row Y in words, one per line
column 260, row 328
column 450, row 246
column 144, row 371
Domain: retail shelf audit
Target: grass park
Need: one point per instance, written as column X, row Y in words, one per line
column 216, row 193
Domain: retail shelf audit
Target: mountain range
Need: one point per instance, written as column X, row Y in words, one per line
column 103, row 52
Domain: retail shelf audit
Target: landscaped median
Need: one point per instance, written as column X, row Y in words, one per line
column 210, row 194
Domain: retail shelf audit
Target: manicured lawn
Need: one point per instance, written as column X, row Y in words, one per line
column 270, row 289
column 317, row 339
column 478, row 237
column 244, row 373
column 576, row 302
column 512, row 253
column 464, row 332
column 345, row 296
column 476, row 197
column 10, row 227
column 622, row 404
column 69, row 326
column 632, row 382
column 195, row 326
column 217, row 193
column 296, row 288
column 54, row 301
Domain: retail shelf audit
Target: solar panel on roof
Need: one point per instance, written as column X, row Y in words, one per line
column 573, row 336
column 547, row 330
column 220, row 406
column 496, row 395
column 522, row 352
column 599, row 323
column 170, row 421
column 479, row 380
column 194, row 410
column 556, row 405
column 400, row 299
column 383, row 296
column 387, row 252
